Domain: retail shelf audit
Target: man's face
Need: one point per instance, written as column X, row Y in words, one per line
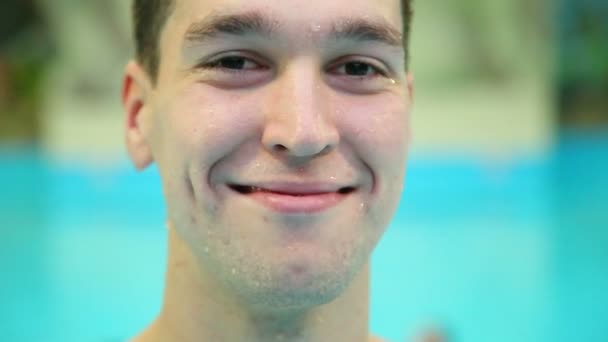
column 280, row 130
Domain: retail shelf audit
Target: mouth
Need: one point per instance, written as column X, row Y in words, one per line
column 294, row 198
column 249, row 189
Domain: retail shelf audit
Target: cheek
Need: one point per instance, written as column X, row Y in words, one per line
column 378, row 128
column 194, row 129
column 203, row 124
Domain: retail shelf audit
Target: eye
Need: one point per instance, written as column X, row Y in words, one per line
column 233, row 64
column 359, row 75
column 357, row 69
column 234, row 70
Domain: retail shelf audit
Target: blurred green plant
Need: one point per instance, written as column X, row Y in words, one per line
column 583, row 35
column 582, row 73
column 25, row 50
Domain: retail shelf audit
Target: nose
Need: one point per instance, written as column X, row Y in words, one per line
column 298, row 116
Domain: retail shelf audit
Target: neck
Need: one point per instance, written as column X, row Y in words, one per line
column 197, row 308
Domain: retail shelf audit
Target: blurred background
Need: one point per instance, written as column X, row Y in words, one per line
column 502, row 233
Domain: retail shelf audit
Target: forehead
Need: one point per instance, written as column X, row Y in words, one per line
column 295, row 15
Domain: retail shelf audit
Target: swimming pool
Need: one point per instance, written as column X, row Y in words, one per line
column 502, row 250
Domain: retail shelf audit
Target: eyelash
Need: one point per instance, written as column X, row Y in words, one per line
column 216, row 65
column 376, row 70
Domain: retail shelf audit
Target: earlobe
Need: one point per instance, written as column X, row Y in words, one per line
column 136, row 88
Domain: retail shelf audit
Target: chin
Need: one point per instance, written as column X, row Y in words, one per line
column 285, row 297
column 297, row 284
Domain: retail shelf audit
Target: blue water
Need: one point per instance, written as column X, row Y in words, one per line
column 489, row 250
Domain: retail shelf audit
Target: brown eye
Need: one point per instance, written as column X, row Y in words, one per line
column 232, row 63
column 234, row 70
column 358, row 69
column 359, row 75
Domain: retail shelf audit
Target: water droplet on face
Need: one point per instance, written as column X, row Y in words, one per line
column 333, row 178
column 340, row 26
column 233, row 271
column 206, row 249
column 315, row 27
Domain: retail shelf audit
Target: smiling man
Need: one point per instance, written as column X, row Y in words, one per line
column 280, row 129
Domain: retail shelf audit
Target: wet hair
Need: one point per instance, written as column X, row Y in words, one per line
column 150, row 16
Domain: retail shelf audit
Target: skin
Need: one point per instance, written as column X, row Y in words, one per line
column 237, row 270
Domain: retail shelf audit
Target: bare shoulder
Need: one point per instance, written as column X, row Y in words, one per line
column 375, row 339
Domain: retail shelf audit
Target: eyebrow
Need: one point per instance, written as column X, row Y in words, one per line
column 362, row 30
column 231, row 24
column 255, row 23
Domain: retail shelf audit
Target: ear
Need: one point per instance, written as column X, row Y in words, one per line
column 135, row 97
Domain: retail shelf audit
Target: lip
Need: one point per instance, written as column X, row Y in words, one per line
column 294, row 198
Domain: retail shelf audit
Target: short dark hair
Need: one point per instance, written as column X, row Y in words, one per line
column 150, row 16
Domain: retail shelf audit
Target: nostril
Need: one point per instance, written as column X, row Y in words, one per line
column 280, row 148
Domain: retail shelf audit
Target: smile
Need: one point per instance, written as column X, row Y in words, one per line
column 290, row 198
